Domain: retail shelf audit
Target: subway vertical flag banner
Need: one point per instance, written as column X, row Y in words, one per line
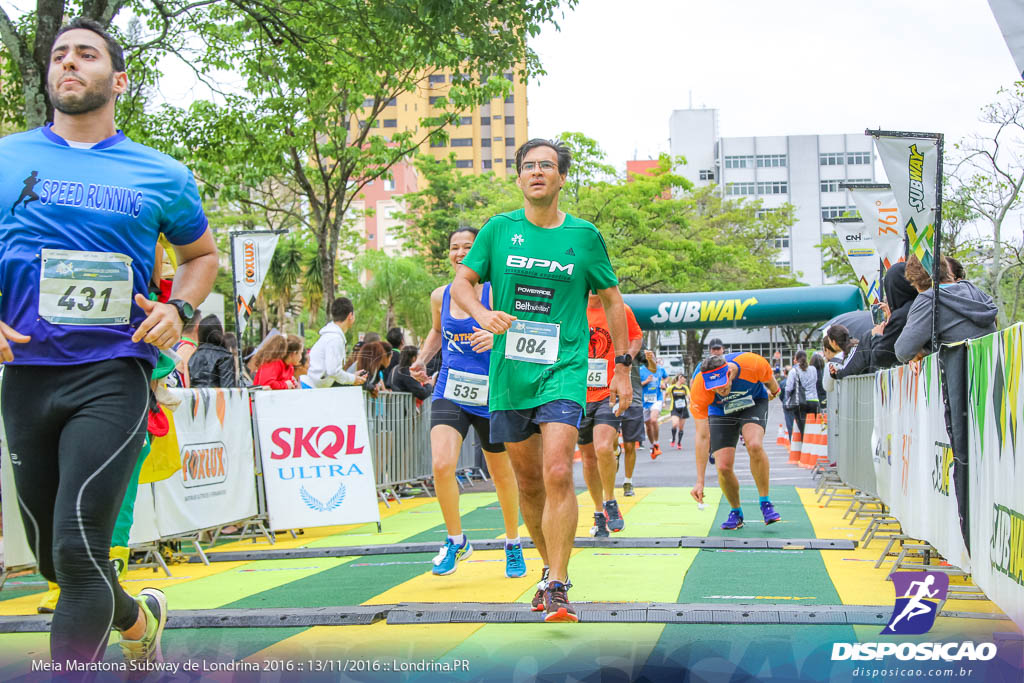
column 911, row 163
column 251, row 253
column 995, row 368
column 858, row 245
column 881, row 214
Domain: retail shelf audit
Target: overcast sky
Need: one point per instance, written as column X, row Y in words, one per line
column 616, row 70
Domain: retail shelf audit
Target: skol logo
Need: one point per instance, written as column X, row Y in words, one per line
column 915, row 167
column 316, row 442
column 249, row 262
column 203, row 464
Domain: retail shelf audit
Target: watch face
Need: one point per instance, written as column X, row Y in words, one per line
column 188, row 310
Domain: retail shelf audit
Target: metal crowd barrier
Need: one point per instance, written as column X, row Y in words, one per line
column 850, row 427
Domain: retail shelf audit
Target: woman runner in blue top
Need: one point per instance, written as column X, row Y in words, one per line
column 460, row 400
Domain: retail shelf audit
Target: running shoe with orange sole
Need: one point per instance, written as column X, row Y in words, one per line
column 655, row 451
column 556, row 604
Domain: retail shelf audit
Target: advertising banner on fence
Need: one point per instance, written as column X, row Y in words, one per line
column 880, row 212
column 858, row 245
column 911, row 164
column 915, row 463
column 252, row 252
column 996, row 426
column 216, row 482
column 317, row 461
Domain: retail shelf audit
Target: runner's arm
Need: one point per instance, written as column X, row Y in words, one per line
column 464, row 295
column 432, row 344
column 702, row 443
column 9, row 334
column 193, row 280
column 615, row 314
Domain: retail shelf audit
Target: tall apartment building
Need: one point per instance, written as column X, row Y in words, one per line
column 484, row 139
column 803, row 170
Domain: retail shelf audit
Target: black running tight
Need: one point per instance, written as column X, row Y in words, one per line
column 75, row 433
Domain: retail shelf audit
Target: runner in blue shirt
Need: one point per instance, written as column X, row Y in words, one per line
column 459, row 401
column 654, row 399
column 81, row 207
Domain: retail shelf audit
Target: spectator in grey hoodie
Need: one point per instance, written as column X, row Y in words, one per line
column 965, row 312
column 327, row 357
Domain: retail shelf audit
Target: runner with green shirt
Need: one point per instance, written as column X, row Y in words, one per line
column 541, row 263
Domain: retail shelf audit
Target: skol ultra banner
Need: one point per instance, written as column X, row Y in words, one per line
column 996, row 445
column 880, row 212
column 914, row 460
column 252, row 252
column 317, row 464
column 216, row 484
column 911, row 163
column 858, row 244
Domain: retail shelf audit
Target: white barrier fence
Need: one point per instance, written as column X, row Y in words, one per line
column 316, row 455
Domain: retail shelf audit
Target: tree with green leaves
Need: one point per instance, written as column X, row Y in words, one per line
column 451, row 200
column 394, row 293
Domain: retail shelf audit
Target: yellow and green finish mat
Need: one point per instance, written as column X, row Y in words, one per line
column 592, row 651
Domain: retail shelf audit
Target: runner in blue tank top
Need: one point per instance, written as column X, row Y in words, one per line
column 459, row 401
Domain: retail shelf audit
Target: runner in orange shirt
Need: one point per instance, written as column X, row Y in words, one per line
column 730, row 395
column 599, row 425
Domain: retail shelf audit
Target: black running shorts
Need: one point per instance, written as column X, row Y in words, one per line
column 445, row 412
column 725, row 429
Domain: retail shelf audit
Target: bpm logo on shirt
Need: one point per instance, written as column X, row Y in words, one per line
column 917, row 601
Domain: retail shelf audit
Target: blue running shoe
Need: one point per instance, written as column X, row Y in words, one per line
column 450, row 553
column 515, row 565
column 614, row 517
column 770, row 515
column 735, row 521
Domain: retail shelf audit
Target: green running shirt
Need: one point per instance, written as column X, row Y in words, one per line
column 543, row 275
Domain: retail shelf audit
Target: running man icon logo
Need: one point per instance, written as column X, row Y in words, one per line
column 918, row 595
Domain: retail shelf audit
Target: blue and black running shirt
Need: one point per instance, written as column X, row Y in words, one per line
column 78, row 234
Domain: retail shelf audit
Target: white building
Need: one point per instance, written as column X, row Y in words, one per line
column 803, row 170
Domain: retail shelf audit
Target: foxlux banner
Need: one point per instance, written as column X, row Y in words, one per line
column 855, row 238
column 996, row 445
column 317, row 464
column 911, row 163
column 913, row 457
column 216, row 484
column 881, row 214
column 252, row 252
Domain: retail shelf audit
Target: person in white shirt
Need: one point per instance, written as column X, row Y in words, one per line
column 327, row 357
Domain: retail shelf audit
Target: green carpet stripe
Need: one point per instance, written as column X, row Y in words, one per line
column 226, row 588
column 668, row 512
column 359, row 579
column 794, row 524
column 20, row 586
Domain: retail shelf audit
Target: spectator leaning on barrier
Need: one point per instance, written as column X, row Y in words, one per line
column 401, row 380
column 899, row 295
column 275, row 363
column 327, row 357
column 848, row 356
column 212, row 364
column 818, row 361
column 397, row 341
column 965, row 312
column 373, row 359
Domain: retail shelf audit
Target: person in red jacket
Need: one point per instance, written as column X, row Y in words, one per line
column 275, row 363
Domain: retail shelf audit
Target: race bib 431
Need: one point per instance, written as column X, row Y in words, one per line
column 85, row 287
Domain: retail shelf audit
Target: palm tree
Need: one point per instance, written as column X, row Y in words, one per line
column 285, row 272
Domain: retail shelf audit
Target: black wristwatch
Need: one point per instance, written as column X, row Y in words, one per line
column 624, row 359
column 186, row 311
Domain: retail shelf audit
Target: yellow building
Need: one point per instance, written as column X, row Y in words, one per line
column 484, row 140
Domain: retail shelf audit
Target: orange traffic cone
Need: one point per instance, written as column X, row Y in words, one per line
column 795, row 444
column 783, row 438
column 812, row 438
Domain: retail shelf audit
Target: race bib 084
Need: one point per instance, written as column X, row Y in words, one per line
column 532, row 342
column 85, row 287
